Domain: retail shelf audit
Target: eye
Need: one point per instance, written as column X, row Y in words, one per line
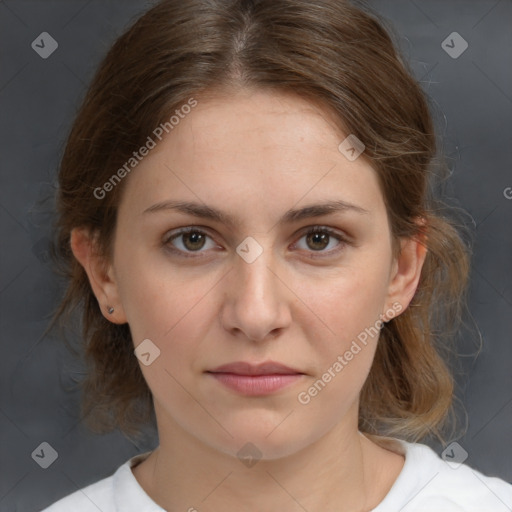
column 318, row 238
column 192, row 240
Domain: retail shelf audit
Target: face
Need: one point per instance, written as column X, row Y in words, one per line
column 262, row 287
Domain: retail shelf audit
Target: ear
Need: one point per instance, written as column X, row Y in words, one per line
column 100, row 273
column 406, row 272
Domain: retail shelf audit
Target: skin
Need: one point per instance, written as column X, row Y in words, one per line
column 255, row 155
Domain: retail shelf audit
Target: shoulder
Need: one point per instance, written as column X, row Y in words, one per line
column 119, row 491
column 428, row 482
column 94, row 497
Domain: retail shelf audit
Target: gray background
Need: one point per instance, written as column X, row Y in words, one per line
column 472, row 96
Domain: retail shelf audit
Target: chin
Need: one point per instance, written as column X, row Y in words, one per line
column 265, row 440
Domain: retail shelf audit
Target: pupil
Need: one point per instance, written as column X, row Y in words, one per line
column 195, row 237
column 323, row 237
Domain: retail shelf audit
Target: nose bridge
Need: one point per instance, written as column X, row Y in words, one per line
column 253, row 267
column 255, row 304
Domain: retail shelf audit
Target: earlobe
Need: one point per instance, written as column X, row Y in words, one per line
column 100, row 275
column 407, row 271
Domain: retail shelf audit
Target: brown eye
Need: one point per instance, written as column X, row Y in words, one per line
column 188, row 240
column 319, row 238
column 317, row 241
column 193, row 240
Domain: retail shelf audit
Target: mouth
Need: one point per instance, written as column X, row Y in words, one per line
column 255, row 379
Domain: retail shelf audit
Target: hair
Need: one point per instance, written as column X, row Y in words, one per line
column 332, row 53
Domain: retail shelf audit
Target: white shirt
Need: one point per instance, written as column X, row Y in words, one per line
column 426, row 484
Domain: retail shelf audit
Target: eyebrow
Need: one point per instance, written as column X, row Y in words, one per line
column 293, row 215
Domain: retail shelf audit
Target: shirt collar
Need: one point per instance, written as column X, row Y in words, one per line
column 129, row 496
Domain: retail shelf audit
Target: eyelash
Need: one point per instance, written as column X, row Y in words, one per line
column 314, row 254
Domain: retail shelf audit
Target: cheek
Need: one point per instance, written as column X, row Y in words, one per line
column 157, row 296
column 169, row 314
column 344, row 332
column 346, row 302
column 173, row 314
column 344, row 342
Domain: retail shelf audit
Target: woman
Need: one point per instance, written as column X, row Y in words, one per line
column 245, row 213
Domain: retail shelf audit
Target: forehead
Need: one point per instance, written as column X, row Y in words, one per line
column 252, row 120
column 252, row 150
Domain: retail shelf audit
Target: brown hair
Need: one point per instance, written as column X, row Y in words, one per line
column 331, row 52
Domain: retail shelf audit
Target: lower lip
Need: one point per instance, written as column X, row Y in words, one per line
column 254, row 385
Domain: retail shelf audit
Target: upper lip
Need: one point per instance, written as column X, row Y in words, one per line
column 245, row 368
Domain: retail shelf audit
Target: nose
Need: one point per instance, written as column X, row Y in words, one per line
column 257, row 298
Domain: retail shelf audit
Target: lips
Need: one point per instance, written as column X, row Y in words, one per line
column 246, row 368
column 253, row 380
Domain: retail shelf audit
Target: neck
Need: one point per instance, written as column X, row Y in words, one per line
column 331, row 474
